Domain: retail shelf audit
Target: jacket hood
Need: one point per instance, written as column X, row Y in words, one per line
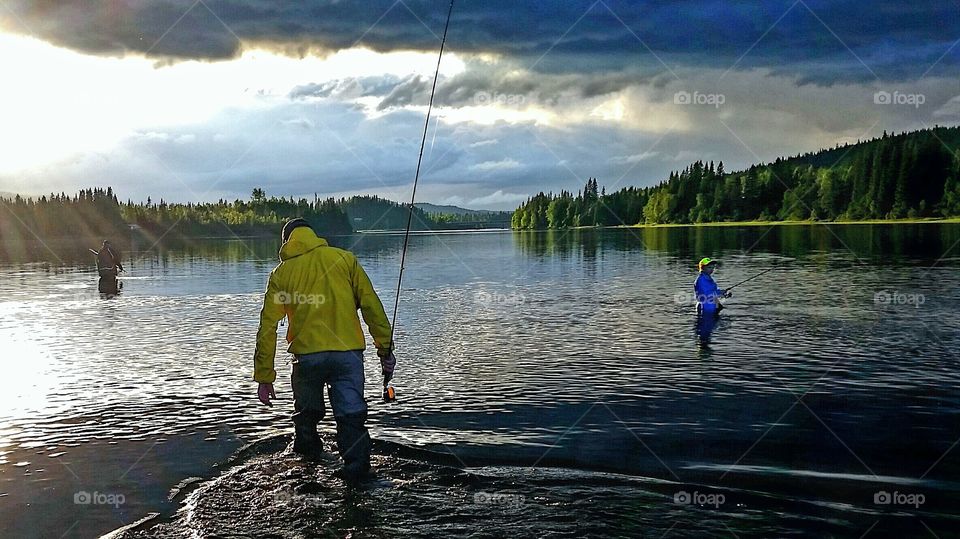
column 302, row 240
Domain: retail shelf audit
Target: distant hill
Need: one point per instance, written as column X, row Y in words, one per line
column 368, row 212
column 375, row 213
column 435, row 209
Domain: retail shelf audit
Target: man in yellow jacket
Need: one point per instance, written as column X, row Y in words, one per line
column 319, row 289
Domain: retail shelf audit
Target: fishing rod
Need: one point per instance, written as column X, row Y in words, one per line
column 751, row 278
column 387, row 391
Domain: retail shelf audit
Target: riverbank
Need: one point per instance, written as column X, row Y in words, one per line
column 800, row 223
column 932, row 220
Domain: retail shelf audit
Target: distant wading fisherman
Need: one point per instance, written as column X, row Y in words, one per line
column 108, row 266
column 706, row 289
column 108, row 261
column 319, row 289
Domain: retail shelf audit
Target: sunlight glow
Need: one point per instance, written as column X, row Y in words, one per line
column 491, row 114
column 28, row 375
column 611, row 111
column 56, row 102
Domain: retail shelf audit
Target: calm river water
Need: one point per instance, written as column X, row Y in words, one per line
column 823, row 402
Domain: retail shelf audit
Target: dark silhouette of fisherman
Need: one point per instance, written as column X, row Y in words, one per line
column 108, row 266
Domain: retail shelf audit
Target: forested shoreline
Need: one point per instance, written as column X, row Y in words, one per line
column 909, row 175
column 98, row 212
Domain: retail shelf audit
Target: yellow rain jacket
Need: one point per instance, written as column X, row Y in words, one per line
column 319, row 289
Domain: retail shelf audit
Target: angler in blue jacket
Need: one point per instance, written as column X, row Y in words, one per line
column 707, row 291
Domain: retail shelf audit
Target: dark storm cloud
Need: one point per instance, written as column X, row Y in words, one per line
column 480, row 84
column 894, row 39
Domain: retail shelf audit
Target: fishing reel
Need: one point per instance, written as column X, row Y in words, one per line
column 389, row 394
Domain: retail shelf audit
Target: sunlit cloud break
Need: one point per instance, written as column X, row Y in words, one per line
column 224, row 101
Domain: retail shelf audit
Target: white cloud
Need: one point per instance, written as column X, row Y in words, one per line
column 950, row 109
column 686, row 156
column 503, row 164
column 451, row 201
column 482, row 143
column 497, row 199
column 635, row 158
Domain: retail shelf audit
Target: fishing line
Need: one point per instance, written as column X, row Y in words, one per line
column 416, row 178
column 751, row 278
column 436, row 129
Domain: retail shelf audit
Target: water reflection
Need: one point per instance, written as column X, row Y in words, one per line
column 704, row 326
column 510, row 344
column 109, row 286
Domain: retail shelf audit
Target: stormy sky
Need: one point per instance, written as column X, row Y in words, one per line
column 203, row 99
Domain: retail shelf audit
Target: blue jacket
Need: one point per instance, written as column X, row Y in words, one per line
column 707, row 292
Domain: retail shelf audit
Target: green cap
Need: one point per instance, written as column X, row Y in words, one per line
column 706, row 261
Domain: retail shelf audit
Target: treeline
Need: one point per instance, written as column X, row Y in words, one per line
column 370, row 212
column 91, row 212
column 258, row 216
column 910, row 175
column 97, row 213
column 493, row 219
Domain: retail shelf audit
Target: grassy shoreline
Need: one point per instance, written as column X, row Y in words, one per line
column 931, row 220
